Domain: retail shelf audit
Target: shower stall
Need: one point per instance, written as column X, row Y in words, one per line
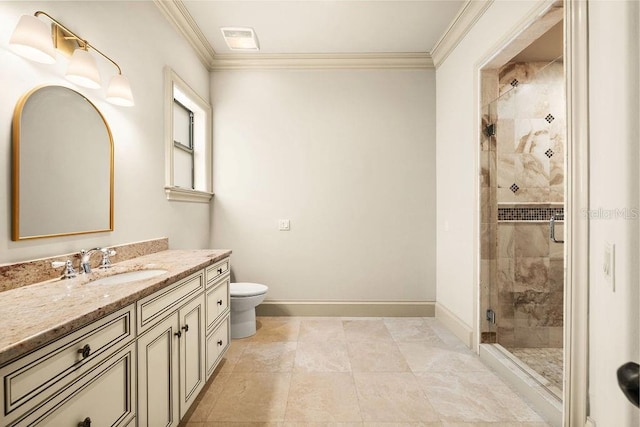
column 522, row 167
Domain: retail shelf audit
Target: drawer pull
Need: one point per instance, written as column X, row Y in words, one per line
column 185, row 328
column 219, row 302
column 220, row 342
column 85, row 352
column 178, row 334
column 220, row 270
column 85, row 423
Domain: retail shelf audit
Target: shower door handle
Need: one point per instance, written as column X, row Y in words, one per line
column 552, row 229
column 629, row 381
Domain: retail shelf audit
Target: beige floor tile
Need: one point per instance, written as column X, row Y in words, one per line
column 234, row 424
column 267, row 357
column 208, row 396
column 447, row 386
column 366, row 330
column 307, row 424
column 508, row 424
column 427, row 357
column 502, row 393
column 271, row 329
column 321, row 330
column 408, row 329
column 392, row 397
column 252, row 397
column 322, row 397
column 433, row 424
column 232, row 356
column 318, row 356
column 383, row 356
column 463, row 396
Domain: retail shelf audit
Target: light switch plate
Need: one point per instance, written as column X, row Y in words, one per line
column 284, row 225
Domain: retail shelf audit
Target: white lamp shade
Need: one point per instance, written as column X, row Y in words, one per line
column 83, row 69
column 32, row 40
column 119, row 91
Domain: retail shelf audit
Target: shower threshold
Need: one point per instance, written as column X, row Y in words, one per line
column 545, row 398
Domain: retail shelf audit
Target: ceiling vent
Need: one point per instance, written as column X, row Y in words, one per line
column 240, row 38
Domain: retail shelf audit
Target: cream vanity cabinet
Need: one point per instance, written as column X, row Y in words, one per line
column 143, row 365
column 172, row 349
column 87, row 378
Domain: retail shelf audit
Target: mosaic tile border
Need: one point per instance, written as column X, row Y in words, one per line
column 536, row 214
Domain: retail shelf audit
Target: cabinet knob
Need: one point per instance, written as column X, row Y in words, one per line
column 85, row 352
column 178, row 334
column 185, row 328
column 220, row 270
column 85, row 423
column 220, row 342
column 219, row 302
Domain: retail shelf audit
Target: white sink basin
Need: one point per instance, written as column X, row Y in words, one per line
column 130, row 276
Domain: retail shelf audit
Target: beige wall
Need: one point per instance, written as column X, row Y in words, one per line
column 457, row 87
column 142, row 41
column 348, row 157
column 614, row 184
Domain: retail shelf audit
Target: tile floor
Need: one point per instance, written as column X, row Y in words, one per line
column 300, row 371
column 545, row 361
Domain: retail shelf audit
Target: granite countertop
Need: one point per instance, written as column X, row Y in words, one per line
column 35, row 314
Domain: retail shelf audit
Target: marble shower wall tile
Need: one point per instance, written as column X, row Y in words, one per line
column 530, row 133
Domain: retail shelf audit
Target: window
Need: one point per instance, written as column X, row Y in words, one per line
column 188, row 142
column 182, row 146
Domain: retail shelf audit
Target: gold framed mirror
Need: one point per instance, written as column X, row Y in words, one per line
column 62, row 165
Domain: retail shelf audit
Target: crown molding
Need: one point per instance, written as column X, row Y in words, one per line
column 468, row 15
column 323, row 61
column 176, row 12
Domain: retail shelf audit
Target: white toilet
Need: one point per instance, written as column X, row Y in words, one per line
column 244, row 299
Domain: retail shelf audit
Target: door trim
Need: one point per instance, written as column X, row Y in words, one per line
column 576, row 339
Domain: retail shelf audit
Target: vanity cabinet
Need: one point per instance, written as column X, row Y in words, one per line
column 104, row 397
column 175, row 354
column 56, row 377
column 142, row 365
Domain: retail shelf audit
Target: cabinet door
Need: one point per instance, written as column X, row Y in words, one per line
column 192, row 351
column 158, row 375
column 103, row 397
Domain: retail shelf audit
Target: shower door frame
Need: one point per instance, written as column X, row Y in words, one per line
column 575, row 391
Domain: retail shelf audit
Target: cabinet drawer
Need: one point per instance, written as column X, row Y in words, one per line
column 106, row 396
column 217, row 344
column 42, row 373
column 217, row 270
column 217, row 301
column 155, row 306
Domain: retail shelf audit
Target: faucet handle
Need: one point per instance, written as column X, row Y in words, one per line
column 69, row 271
column 106, row 261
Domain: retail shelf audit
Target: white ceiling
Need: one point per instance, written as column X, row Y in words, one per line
column 328, row 27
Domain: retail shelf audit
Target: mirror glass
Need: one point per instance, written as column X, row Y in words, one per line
column 62, row 165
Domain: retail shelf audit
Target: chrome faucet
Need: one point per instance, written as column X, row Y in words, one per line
column 85, row 256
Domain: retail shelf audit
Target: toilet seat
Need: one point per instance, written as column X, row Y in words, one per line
column 239, row 290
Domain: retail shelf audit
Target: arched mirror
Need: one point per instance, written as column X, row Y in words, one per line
column 62, row 165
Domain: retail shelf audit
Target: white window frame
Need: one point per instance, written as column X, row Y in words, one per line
column 176, row 88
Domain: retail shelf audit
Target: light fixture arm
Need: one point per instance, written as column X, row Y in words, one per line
column 83, row 43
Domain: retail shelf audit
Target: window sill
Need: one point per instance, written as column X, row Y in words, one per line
column 187, row 195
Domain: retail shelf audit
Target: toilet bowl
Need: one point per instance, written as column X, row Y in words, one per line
column 244, row 299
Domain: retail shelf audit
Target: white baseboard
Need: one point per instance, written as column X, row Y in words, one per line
column 460, row 329
column 347, row 308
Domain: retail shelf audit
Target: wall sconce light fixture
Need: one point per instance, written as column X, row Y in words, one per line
column 33, row 40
